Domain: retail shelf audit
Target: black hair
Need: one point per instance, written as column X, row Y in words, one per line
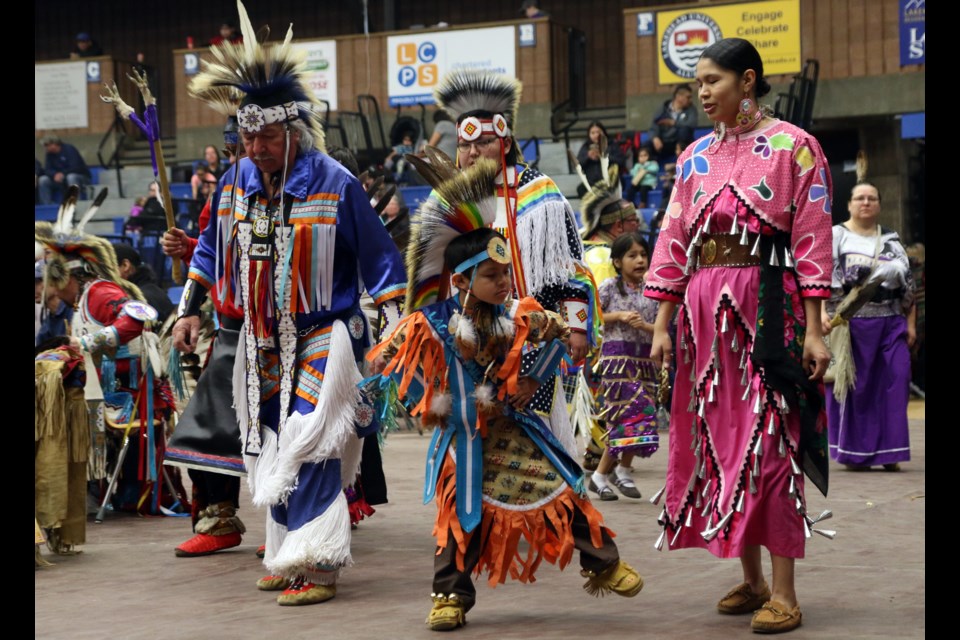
column 124, row 251
column 865, row 183
column 441, row 116
column 597, row 123
column 345, row 157
column 512, row 155
column 623, row 243
column 682, row 87
column 738, row 55
column 611, row 207
column 466, row 246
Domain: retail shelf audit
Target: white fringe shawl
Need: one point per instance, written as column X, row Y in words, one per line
column 560, row 419
column 542, row 236
column 321, row 434
column 325, row 540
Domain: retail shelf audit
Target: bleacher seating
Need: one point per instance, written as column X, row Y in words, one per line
column 46, row 212
column 413, row 196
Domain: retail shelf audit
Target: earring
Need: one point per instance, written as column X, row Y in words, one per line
column 747, row 108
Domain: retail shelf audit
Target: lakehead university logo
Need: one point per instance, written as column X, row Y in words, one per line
column 914, row 33
column 417, row 64
column 685, row 39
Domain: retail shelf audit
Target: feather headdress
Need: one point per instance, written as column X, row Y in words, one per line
column 465, row 90
column 271, row 79
column 601, row 195
column 463, row 202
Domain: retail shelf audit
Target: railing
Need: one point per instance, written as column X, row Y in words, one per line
column 796, row 106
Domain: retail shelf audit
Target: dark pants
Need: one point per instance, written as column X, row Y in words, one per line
column 211, row 488
column 448, row 579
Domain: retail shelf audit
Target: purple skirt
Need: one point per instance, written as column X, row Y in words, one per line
column 872, row 427
column 627, row 395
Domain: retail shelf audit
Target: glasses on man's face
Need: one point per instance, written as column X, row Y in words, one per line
column 866, row 199
column 481, row 144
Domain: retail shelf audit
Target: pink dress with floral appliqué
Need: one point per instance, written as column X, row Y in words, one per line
column 734, row 474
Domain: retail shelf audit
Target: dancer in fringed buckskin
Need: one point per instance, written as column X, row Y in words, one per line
column 500, row 472
column 295, row 235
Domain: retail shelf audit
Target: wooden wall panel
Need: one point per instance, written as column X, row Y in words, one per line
column 857, row 40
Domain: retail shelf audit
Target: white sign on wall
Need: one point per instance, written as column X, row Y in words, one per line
column 321, row 68
column 416, row 63
column 60, row 95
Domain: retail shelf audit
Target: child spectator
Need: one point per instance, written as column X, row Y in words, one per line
column 643, row 177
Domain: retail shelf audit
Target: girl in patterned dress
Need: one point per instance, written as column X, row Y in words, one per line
column 627, row 375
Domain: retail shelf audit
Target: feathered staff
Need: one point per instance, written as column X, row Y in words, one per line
column 150, row 126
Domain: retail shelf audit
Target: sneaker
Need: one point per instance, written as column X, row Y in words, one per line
column 261, row 551
column 606, row 493
column 620, row 578
column 627, row 487
column 301, row 592
column 448, row 613
column 591, row 460
column 894, row 466
column 775, row 617
column 273, row 583
column 742, row 599
column 204, row 544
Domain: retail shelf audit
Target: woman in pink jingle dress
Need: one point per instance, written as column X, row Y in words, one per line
column 745, row 250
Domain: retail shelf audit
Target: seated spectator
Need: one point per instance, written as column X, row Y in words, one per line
column 643, row 177
column 228, row 33
column 589, row 155
column 148, row 216
column 345, row 157
column 531, row 9
column 673, row 123
column 214, row 161
column 395, row 161
column 132, row 268
column 37, row 172
column 86, row 47
column 55, row 315
column 63, row 166
column 201, row 177
column 444, row 135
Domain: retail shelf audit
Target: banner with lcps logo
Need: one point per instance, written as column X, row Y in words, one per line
column 417, row 62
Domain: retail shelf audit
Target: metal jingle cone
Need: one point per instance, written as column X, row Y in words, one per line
column 774, row 261
column 800, row 508
column 746, row 391
column 686, row 356
column 698, row 502
column 755, row 251
column 693, row 428
column 829, row 534
column 772, row 427
column 734, row 345
column 794, row 467
column 703, row 469
column 715, row 346
column 683, row 341
column 711, row 397
column 689, row 521
column 721, row 525
column 659, row 544
column 716, row 371
column 656, row 497
column 756, row 404
column 739, row 507
column 709, row 534
column 756, row 465
column 792, row 491
column 663, row 515
column 824, row 515
column 706, row 489
column 758, row 448
column 784, row 406
column 676, row 535
column 782, row 449
column 735, row 229
column 706, row 223
column 723, row 323
column 806, row 529
column 753, row 485
column 693, row 404
column 700, row 409
column 743, row 360
column 744, row 238
column 693, row 375
column 706, row 508
column 744, row 381
column 787, row 259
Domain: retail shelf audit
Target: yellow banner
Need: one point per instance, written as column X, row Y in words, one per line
column 773, row 28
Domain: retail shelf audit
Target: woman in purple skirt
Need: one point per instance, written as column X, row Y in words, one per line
column 869, row 426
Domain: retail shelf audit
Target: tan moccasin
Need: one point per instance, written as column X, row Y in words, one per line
column 742, row 599
column 775, row 617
